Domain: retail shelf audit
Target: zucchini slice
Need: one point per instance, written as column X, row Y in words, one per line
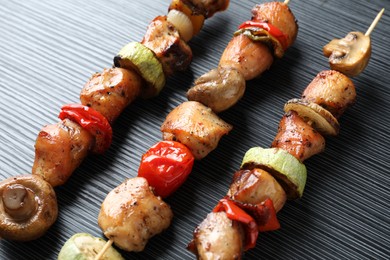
column 136, row 56
column 285, row 168
column 83, row 246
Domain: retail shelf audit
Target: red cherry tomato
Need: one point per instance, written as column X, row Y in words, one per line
column 166, row 165
column 92, row 121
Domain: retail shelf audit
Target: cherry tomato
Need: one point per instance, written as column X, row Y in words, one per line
column 92, row 121
column 166, row 165
column 273, row 30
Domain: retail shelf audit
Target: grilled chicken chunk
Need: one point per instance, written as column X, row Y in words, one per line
column 164, row 40
column 255, row 186
column 59, row 150
column 207, row 8
column 297, row 137
column 279, row 15
column 248, row 57
column 196, row 126
column 332, row 90
column 219, row 89
column 111, row 91
column 131, row 214
column 218, row 237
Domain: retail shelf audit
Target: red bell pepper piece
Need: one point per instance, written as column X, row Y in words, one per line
column 166, row 166
column 256, row 218
column 264, row 214
column 92, row 121
column 273, row 30
column 234, row 212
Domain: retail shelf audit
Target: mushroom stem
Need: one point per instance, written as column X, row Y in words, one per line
column 19, row 202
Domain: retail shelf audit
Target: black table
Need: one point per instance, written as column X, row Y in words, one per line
column 50, row 48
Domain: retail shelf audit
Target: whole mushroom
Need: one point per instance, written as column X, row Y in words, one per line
column 28, row 207
column 349, row 55
column 219, row 89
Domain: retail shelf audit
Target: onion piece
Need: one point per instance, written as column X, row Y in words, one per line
column 182, row 23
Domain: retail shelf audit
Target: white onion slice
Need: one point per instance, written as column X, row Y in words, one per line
column 182, row 23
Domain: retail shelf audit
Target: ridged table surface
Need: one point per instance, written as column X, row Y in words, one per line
column 49, row 49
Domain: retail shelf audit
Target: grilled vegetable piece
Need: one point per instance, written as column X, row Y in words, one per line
column 171, row 50
column 131, row 214
column 218, row 237
column 332, row 90
column 349, row 55
column 196, row 126
column 279, row 15
column 256, row 185
column 266, row 33
column 318, row 117
column 197, row 20
column 219, row 89
column 235, row 212
column 135, row 56
column 28, row 207
column 297, row 137
column 182, row 23
column 287, row 169
column 111, row 91
column 92, row 121
column 59, row 150
column 166, row 165
column 83, row 246
column 250, row 58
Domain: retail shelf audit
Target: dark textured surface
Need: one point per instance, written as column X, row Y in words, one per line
column 50, row 48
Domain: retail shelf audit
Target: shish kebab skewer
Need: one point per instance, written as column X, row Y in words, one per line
column 195, row 126
column 235, row 220
column 28, row 204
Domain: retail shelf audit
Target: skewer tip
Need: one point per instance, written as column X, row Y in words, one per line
column 374, row 23
column 104, row 249
column 286, row 2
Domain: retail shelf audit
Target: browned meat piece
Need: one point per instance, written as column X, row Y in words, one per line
column 248, row 57
column 207, row 8
column 279, row 15
column 111, row 91
column 255, row 186
column 196, row 126
column 218, row 237
column 297, row 137
column 332, row 90
column 219, row 89
column 131, row 214
column 164, row 40
column 59, row 150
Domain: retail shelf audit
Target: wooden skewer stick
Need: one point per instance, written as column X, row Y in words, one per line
column 286, row 2
column 104, row 249
column 376, row 20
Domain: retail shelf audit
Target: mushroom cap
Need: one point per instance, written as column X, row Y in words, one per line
column 219, row 89
column 349, row 55
column 42, row 218
column 321, row 119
